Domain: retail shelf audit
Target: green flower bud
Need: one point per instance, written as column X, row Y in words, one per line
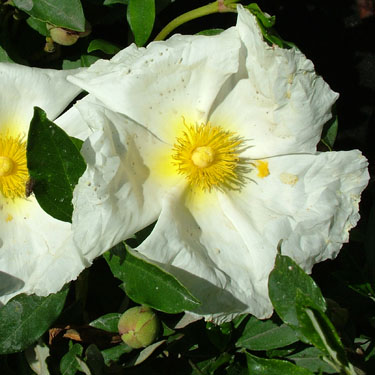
column 63, row 36
column 138, row 326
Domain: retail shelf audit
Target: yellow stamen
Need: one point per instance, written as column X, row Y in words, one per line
column 208, row 156
column 13, row 166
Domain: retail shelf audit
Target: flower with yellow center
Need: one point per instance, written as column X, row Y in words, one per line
column 37, row 254
column 215, row 139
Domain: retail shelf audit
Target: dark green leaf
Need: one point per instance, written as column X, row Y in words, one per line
column 25, row 318
column 311, row 358
column 55, row 164
column 102, row 45
column 38, row 26
column 284, row 282
column 219, row 335
column 77, row 142
column 148, row 284
column 141, row 17
column 318, row 330
column 94, row 360
column 4, row 56
column 265, row 335
column 107, row 322
column 69, row 364
column 87, row 60
column 67, row 13
column 144, row 354
column 211, row 365
column 330, row 131
column 265, row 20
column 261, row 366
column 113, row 354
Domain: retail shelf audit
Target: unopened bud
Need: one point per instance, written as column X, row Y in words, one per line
column 63, row 36
column 139, row 326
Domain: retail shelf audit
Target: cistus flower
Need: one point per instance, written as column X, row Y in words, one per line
column 215, row 137
column 37, row 254
column 139, row 326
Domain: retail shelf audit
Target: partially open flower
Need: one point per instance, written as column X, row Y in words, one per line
column 139, row 326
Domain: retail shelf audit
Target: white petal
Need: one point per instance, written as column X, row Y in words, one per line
column 206, row 253
column 73, row 123
column 224, row 249
column 252, row 116
column 37, row 250
column 23, row 87
column 116, row 196
column 308, row 201
column 165, row 82
column 302, row 100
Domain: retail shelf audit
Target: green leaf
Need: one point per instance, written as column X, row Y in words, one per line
column 311, row 358
column 69, row 364
column 38, row 26
column 261, row 366
column 102, row 45
column 210, row 32
column 141, row 17
column 113, row 354
column 285, row 281
column 110, row 2
column 266, row 20
column 26, row 317
column 55, row 165
column 107, row 322
column 67, row 13
column 94, row 360
column 4, row 56
column 148, row 284
column 265, row 335
column 330, row 131
column 219, row 335
column 319, row 331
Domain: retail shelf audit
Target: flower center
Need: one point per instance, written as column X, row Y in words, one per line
column 13, row 167
column 6, row 166
column 203, row 156
column 208, row 156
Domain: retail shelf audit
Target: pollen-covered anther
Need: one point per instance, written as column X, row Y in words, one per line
column 208, row 156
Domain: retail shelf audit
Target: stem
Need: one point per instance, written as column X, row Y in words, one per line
column 219, row 6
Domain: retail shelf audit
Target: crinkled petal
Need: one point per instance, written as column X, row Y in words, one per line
column 285, row 77
column 310, row 202
column 224, row 248
column 116, row 195
column 23, row 87
column 166, row 81
column 255, row 122
column 205, row 252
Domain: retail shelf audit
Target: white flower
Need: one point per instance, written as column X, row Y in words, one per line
column 215, row 138
column 37, row 254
